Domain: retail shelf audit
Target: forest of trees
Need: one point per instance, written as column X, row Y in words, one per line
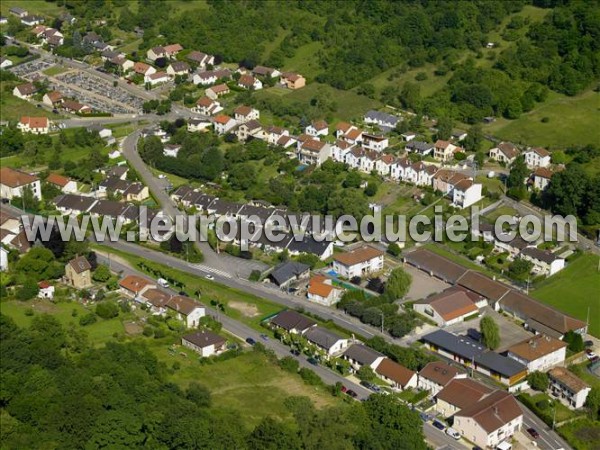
column 60, row 392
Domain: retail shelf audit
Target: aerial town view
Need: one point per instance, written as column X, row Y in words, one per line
column 300, row 224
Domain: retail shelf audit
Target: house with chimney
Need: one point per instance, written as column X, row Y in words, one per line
column 78, row 273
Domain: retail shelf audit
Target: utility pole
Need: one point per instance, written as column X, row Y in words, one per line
column 382, row 319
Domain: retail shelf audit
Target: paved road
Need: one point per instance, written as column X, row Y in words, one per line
column 242, row 331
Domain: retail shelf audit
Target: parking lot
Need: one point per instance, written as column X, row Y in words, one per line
column 422, row 285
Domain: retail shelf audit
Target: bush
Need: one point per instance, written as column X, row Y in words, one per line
column 148, row 331
column 88, row 319
column 538, row 381
column 310, row 377
column 543, row 404
column 29, row 312
column 255, row 275
column 107, row 309
column 159, row 333
column 394, row 249
column 289, row 364
column 28, row 291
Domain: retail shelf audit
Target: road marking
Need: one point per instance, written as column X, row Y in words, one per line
column 211, row 270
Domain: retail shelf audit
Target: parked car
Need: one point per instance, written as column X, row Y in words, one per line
column 453, row 433
column 295, row 352
column 590, row 354
column 366, row 384
column 264, row 337
column 439, row 425
column 250, row 341
column 313, row 361
column 424, row 417
column 344, row 388
column 533, row 433
column 588, row 343
column 209, row 276
column 351, row 393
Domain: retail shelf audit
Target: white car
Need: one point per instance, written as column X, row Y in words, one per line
column 590, row 354
column 453, row 433
column 209, row 276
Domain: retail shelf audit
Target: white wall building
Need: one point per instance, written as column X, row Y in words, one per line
column 358, row 262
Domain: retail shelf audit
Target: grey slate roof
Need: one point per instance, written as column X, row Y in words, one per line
column 419, row 146
column 74, row 202
column 288, row 270
column 291, row 320
column 309, row 245
column 382, row 117
column 469, row 349
column 322, row 337
column 363, row 354
column 541, row 255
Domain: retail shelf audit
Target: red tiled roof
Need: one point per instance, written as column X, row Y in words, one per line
column 15, row 178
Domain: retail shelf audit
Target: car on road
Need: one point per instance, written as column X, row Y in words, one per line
column 588, row 343
column 533, row 433
column 295, row 352
column 439, row 425
column 366, row 384
column 162, row 176
column 208, row 276
column 453, row 433
column 344, row 388
column 590, row 354
column 264, row 337
column 250, row 341
column 351, row 393
column 424, row 417
column 313, row 361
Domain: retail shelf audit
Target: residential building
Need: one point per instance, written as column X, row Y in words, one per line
column 358, row 262
column 178, row 68
column 187, row 310
column 408, row 136
column 262, row 71
column 398, row 376
column 34, row 125
column 505, row 152
column 537, row 157
column 156, row 53
column 223, row 123
column 211, row 76
column 172, row 50
column 243, row 114
column 322, row 291
column 171, row 150
column 292, row 322
column 3, row 259
column 66, row 185
column 46, row 290
column 19, row 12
column 195, row 125
column 544, row 262
column 317, row 128
column 289, row 272
column 466, row 193
column 134, row 286
column 156, row 78
column 422, row 148
column 249, row 82
column 359, row 355
column 5, row 63
column 444, row 150
column 217, row 91
column 436, row 375
column 541, row 178
column 200, row 59
column 75, row 107
column 471, row 353
column 73, row 205
column 143, row 69
column 103, row 132
column 78, row 273
column 326, row 340
column 52, row 99
column 292, row 80
column 12, row 183
column 205, row 342
column 450, row 306
column 539, row 353
column 568, row 388
column 381, row 119
column 489, row 422
column 314, row 151
column 375, row 142
column 207, row 106
column 459, row 394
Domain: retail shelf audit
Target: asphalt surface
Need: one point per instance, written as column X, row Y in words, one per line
column 242, row 331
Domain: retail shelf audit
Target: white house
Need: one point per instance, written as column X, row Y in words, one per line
column 450, row 306
column 322, row 291
column 178, row 68
column 171, row 150
column 317, row 128
column 204, row 342
column 313, row 151
column 444, row 150
column 505, row 152
column 358, row 262
column 46, row 290
column 375, row 142
column 490, row 421
column 156, row 78
column 142, row 68
column 399, row 377
column 436, row 375
column 567, row 387
column 207, row 106
column 223, row 123
column 326, row 340
column 466, row 193
column 5, row 63
column 539, row 352
column 211, row 76
column 187, row 310
column 12, row 183
column 66, row 185
column 34, row 125
column 359, row 355
column 243, row 114
column 195, row 125
column 541, row 178
column 249, row 82
column 24, row 91
column 3, row 259
column 381, row 119
column 537, row 157
column 544, row 261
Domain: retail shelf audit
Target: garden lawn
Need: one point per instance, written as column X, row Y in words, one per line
column 572, row 121
column 575, row 289
column 13, row 108
column 582, row 434
column 249, row 384
column 32, row 6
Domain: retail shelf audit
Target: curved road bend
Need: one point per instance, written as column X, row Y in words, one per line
column 242, row 331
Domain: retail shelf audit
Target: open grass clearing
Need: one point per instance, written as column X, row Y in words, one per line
column 574, row 290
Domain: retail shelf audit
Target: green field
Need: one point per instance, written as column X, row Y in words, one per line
column 32, row 6
column 249, row 384
column 13, row 108
column 575, row 289
column 55, row 70
column 305, row 61
column 572, row 121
